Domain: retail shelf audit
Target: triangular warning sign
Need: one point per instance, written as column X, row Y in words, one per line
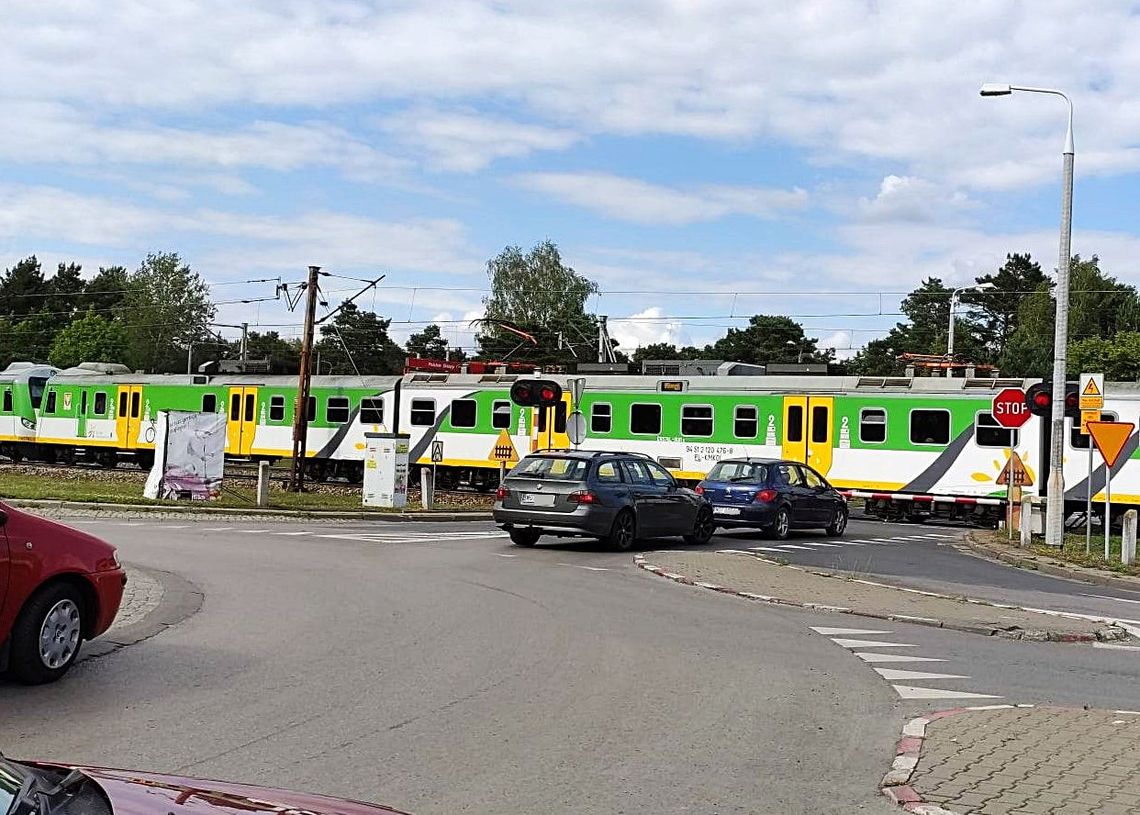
column 1091, row 389
column 503, row 449
column 1021, row 476
column 1110, row 438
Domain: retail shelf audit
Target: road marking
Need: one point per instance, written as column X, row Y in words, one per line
column 763, row 549
column 851, row 543
column 793, row 546
column 831, row 632
column 254, row 531
column 293, row 534
column 883, row 540
column 1116, row 646
column 131, row 524
column 828, row 545
column 871, row 644
column 217, row 529
column 1106, row 597
column 896, row 673
column 504, row 554
column 945, row 537
column 912, row 692
column 896, row 658
column 172, row 527
column 587, row 568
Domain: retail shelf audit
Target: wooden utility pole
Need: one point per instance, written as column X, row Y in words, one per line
column 300, row 410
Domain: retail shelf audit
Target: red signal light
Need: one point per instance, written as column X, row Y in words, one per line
column 547, row 395
column 1071, row 400
column 1042, row 399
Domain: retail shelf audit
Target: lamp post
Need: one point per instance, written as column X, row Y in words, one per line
column 954, row 299
column 799, row 350
column 1055, row 507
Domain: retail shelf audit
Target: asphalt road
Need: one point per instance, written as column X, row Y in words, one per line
column 442, row 675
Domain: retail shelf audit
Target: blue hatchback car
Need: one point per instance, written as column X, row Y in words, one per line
column 775, row 495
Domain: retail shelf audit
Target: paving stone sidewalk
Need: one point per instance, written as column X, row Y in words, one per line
column 142, row 595
column 743, row 573
column 1030, row 761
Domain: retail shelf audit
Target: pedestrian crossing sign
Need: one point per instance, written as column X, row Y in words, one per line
column 503, row 449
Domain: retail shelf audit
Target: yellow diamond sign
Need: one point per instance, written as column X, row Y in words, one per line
column 503, row 449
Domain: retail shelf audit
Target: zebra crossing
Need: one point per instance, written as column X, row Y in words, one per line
column 875, row 647
column 804, row 545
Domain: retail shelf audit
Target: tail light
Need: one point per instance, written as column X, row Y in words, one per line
column 501, row 494
column 766, row 496
column 699, row 489
column 582, row 497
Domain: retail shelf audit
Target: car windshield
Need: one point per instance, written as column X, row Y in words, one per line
column 743, row 471
column 11, row 777
column 552, row 467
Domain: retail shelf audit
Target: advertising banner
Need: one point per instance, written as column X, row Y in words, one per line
column 189, row 456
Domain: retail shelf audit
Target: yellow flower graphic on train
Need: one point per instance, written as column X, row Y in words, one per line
column 999, row 465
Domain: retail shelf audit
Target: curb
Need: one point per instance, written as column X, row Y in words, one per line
column 1039, row 563
column 415, row 515
column 896, row 783
column 1107, row 634
column 181, row 600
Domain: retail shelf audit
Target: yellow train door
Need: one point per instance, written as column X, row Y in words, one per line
column 241, row 424
column 127, row 416
column 548, row 426
column 808, row 431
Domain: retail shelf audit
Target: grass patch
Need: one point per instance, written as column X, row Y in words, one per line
column 126, row 488
column 1073, row 551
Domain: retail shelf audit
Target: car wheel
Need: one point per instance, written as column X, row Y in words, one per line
column 623, row 533
column 703, row 528
column 782, row 525
column 47, row 635
column 525, row 537
column 838, row 522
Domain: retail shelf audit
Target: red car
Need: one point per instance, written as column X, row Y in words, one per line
column 32, row 788
column 58, row 587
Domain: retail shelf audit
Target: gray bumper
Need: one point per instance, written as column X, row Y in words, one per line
column 589, row 520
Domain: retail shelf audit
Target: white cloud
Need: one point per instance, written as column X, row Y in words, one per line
column 646, row 327
column 906, row 198
column 466, row 141
column 630, row 199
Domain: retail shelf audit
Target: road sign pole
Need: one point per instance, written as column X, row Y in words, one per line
column 1088, row 511
column 1009, row 493
column 1107, row 509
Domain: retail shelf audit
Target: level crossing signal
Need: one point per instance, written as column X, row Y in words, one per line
column 1039, row 400
column 541, row 393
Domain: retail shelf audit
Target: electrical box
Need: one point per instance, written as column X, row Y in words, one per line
column 386, row 470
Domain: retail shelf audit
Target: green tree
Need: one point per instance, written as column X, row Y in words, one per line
column 284, row 354
column 360, row 337
column 428, row 343
column 538, row 294
column 105, row 291
column 67, row 288
column 766, row 339
column 91, row 338
column 166, row 307
column 1029, row 351
column 23, row 289
column 28, row 339
column 997, row 308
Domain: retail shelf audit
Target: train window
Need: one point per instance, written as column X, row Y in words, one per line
column 423, row 412
column 100, row 403
column 7, row 400
column 696, row 420
column 276, row 408
column 464, row 412
column 311, row 410
column 794, row 432
column 989, row 433
column 930, row 427
column 501, row 414
column 372, row 411
column 560, row 417
column 36, row 385
column 235, row 406
column 250, row 404
column 83, row 403
column 136, row 397
column 820, row 423
column 50, row 408
column 209, row 403
column 872, row 425
column 744, row 422
column 336, row 409
column 645, row 419
column 601, row 417
column 123, row 403
column 1081, row 441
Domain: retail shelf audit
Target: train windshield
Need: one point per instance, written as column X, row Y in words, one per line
column 36, row 386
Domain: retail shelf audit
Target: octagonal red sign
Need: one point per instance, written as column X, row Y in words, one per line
column 1009, row 408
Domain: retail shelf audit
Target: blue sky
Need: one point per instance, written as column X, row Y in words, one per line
column 701, row 161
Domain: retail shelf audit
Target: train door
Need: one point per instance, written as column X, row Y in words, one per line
column 548, row 428
column 242, row 421
column 127, row 416
column 808, row 432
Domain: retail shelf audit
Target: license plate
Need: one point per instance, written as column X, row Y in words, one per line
column 535, row 499
column 726, row 511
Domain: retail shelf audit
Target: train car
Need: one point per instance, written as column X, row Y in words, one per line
column 22, row 387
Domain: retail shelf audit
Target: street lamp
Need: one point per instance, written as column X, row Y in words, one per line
column 1055, row 507
column 800, row 348
column 954, row 312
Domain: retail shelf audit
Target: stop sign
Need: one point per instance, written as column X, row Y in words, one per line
column 1009, row 408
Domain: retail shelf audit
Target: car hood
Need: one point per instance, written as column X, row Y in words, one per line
column 138, row 793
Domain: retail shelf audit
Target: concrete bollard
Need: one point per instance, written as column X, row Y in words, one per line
column 263, row 483
column 1128, row 538
column 427, row 487
column 1026, row 521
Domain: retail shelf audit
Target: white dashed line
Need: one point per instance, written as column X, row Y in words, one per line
column 254, row 531
column 832, row 632
column 1106, row 597
column 172, row 527
column 217, row 529
column 832, row 545
column 896, row 673
column 293, row 534
column 587, row 568
column 793, row 546
column 504, row 554
column 896, row 658
column 765, row 548
column 871, row 644
column 912, row 692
